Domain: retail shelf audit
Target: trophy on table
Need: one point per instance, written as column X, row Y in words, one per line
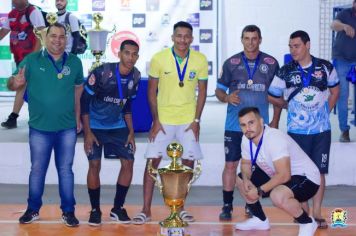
column 97, row 40
column 51, row 18
column 174, row 183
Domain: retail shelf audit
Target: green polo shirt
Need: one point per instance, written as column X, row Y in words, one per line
column 51, row 100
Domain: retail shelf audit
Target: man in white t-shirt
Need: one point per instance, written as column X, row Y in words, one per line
column 273, row 165
column 72, row 24
column 21, row 21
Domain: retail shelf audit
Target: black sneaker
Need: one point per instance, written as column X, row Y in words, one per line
column 29, row 216
column 120, row 214
column 226, row 212
column 95, row 217
column 69, row 219
column 11, row 121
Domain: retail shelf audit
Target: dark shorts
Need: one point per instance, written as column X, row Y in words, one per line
column 113, row 141
column 317, row 147
column 232, row 144
column 302, row 188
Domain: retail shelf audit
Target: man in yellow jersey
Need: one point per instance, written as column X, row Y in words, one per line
column 175, row 73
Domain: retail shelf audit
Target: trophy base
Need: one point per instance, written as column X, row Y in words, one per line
column 174, row 232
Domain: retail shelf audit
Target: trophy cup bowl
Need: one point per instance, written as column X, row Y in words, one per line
column 174, row 183
column 97, row 40
column 51, row 18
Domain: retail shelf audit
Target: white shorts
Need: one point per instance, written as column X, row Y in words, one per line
column 174, row 133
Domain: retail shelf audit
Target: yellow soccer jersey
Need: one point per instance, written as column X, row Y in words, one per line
column 177, row 105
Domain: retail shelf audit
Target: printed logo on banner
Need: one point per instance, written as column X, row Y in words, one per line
column 195, row 47
column 72, row 5
column 98, row 5
column 5, row 53
column 119, row 37
column 3, row 17
column 194, row 19
column 152, row 36
column 210, row 68
column 138, row 20
column 87, row 20
column 206, row 5
column 206, row 36
column 152, row 5
column 125, row 4
column 166, row 19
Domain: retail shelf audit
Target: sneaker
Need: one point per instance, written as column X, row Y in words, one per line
column 29, row 216
column 120, row 215
column 69, row 219
column 95, row 217
column 308, row 229
column 253, row 223
column 345, row 137
column 226, row 212
column 11, row 121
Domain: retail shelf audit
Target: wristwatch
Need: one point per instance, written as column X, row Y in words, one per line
column 260, row 192
column 197, row 120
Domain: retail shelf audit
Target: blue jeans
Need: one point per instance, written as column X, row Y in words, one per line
column 342, row 67
column 41, row 145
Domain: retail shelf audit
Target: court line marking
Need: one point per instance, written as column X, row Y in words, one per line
column 150, row 223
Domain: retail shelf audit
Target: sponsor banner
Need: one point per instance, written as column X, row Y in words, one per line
column 194, row 19
column 206, row 36
column 138, row 20
column 5, row 53
column 119, row 37
column 152, row 5
column 72, row 5
column 98, row 5
column 87, row 21
column 195, row 47
column 206, row 5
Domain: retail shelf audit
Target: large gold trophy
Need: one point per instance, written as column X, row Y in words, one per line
column 174, row 183
column 51, row 18
column 97, row 40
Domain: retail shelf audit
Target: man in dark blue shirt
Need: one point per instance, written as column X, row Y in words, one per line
column 107, row 123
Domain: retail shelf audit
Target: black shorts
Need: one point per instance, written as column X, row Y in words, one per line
column 113, row 141
column 302, row 188
column 232, row 143
column 317, row 147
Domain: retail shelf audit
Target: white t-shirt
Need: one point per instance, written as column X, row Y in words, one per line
column 35, row 16
column 276, row 145
column 73, row 27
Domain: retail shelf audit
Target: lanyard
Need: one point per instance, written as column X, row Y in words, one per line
column 59, row 70
column 254, row 157
column 119, row 86
column 306, row 79
column 181, row 74
column 250, row 75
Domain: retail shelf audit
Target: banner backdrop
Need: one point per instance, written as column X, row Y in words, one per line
column 149, row 22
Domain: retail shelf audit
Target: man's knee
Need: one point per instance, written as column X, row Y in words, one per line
column 95, row 166
column 280, row 195
column 231, row 166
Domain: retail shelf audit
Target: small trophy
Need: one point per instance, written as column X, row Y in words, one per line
column 51, row 18
column 97, row 40
column 174, row 184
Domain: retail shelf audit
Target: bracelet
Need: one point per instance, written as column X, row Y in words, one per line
column 196, row 120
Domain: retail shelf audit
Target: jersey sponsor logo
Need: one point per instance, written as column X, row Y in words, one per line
column 114, row 100
column 318, row 74
column 263, row 68
column 167, row 72
column 66, row 70
column 269, row 60
column 235, row 61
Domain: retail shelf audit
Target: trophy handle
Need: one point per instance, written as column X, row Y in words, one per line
column 196, row 174
column 153, row 173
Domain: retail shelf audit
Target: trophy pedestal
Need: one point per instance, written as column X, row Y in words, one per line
column 174, row 232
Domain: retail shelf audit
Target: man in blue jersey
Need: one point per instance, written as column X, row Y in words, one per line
column 244, row 82
column 107, row 123
column 310, row 88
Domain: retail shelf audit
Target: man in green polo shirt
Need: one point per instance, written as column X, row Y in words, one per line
column 54, row 85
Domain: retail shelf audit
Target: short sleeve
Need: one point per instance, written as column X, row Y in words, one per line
column 154, row 67
column 36, row 18
column 74, row 23
column 224, row 82
column 80, row 75
column 277, row 87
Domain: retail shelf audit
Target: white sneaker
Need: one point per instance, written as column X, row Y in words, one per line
column 253, row 223
column 308, row 229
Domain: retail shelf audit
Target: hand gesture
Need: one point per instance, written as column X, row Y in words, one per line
column 156, row 127
column 89, row 140
column 195, row 127
column 233, row 98
column 349, row 31
column 19, row 79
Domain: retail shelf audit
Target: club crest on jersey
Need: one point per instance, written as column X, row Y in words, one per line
column 264, row 68
column 318, row 74
column 235, row 61
column 192, row 75
column 66, row 70
column 130, row 85
column 269, row 60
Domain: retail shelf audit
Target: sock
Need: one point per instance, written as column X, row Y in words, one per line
column 228, row 197
column 120, row 195
column 94, row 195
column 303, row 218
column 257, row 210
column 13, row 115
